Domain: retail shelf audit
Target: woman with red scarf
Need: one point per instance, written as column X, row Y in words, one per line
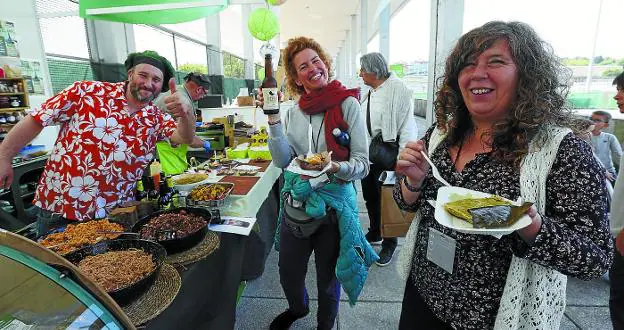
column 324, row 105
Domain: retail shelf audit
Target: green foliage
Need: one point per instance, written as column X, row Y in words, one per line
column 233, row 66
column 576, row 61
column 598, row 59
column 191, row 67
column 398, row 69
column 620, row 61
column 608, row 61
column 611, row 72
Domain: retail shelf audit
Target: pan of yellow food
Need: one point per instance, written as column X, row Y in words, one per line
column 188, row 181
column 210, row 195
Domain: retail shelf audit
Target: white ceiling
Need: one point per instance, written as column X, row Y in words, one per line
column 328, row 20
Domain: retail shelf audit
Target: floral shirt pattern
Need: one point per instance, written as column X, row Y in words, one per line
column 574, row 237
column 101, row 150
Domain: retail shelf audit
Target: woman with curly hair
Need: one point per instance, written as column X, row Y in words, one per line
column 502, row 128
column 317, row 215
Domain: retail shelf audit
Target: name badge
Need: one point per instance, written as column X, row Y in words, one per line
column 441, row 250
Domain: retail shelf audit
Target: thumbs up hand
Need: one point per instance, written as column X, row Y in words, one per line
column 172, row 85
column 174, row 103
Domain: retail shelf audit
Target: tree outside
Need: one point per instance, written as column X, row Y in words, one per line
column 612, row 72
column 190, row 67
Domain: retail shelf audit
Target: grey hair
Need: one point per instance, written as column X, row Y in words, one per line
column 375, row 63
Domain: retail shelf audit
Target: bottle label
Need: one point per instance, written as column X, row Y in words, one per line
column 271, row 99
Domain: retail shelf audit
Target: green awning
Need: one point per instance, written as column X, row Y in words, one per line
column 150, row 11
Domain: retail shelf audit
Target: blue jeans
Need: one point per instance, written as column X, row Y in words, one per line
column 47, row 220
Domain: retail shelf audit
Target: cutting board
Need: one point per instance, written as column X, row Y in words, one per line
column 242, row 184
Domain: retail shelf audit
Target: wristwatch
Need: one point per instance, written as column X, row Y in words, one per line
column 410, row 187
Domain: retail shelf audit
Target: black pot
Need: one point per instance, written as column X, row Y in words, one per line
column 129, row 292
column 176, row 245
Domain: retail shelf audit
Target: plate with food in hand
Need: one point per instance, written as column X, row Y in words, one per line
column 313, row 165
column 474, row 212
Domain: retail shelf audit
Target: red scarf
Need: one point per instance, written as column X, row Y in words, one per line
column 328, row 100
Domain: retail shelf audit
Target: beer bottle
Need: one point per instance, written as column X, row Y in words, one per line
column 173, row 192
column 269, row 88
column 141, row 194
column 153, row 192
column 164, row 201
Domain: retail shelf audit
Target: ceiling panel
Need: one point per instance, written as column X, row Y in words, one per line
column 328, row 20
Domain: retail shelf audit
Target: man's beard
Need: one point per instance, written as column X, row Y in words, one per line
column 135, row 92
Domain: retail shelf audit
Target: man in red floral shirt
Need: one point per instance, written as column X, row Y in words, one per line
column 108, row 134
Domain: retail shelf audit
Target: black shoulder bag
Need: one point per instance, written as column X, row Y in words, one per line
column 381, row 153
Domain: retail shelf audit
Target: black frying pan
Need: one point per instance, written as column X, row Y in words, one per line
column 178, row 244
column 131, row 291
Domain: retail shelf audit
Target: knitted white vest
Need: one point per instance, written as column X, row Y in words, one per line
column 534, row 296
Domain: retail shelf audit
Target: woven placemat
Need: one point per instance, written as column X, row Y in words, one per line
column 200, row 251
column 155, row 300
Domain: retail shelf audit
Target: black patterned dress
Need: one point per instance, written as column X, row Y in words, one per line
column 574, row 238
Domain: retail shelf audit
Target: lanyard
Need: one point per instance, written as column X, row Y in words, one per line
column 318, row 135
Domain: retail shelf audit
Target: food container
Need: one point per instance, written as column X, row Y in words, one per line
column 66, row 239
column 188, row 186
column 259, row 154
column 178, row 244
column 245, row 101
column 131, row 290
column 236, row 153
column 207, row 201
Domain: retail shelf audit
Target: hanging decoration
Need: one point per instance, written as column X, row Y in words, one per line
column 263, row 24
column 150, row 11
column 268, row 48
column 276, row 2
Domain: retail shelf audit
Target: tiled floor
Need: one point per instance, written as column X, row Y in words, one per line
column 379, row 304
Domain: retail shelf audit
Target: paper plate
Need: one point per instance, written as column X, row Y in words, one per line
column 294, row 167
column 447, row 220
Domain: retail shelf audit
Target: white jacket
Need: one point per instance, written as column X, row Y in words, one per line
column 399, row 121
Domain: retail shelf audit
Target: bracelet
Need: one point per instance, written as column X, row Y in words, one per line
column 275, row 122
column 410, row 187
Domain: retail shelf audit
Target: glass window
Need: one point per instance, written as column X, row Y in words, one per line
column 55, row 29
column 571, row 32
column 409, row 45
column 233, row 66
column 194, row 29
column 232, row 30
column 149, row 38
column 32, row 300
column 191, row 56
column 373, row 44
column 258, row 59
